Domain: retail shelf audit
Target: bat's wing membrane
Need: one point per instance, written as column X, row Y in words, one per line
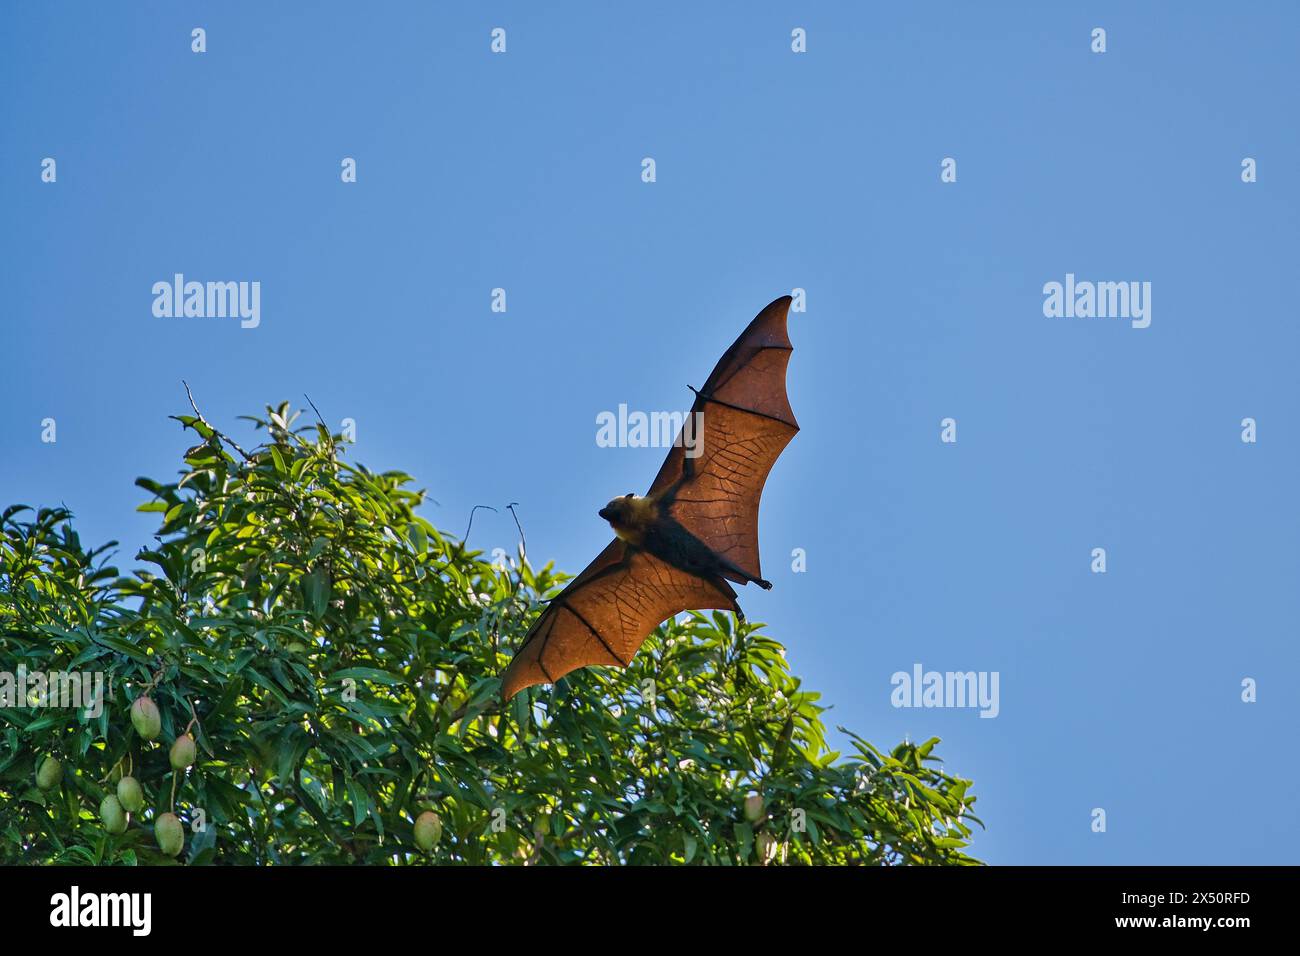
column 607, row 611
column 605, row 614
column 747, row 423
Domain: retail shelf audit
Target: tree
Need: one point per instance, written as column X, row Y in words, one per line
column 336, row 659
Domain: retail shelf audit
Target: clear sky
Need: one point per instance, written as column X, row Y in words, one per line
column 775, row 170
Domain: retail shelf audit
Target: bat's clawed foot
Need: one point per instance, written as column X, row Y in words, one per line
column 765, row 585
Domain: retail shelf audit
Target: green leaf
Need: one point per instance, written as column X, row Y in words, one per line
column 316, row 591
column 123, row 647
column 369, row 674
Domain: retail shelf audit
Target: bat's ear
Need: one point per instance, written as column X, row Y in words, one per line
column 630, row 494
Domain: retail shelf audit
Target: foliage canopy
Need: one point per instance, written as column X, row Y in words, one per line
column 336, row 658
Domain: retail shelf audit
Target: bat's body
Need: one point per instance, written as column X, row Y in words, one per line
column 696, row 530
column 647, row 523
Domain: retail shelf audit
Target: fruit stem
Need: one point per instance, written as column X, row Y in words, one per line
column 109, row 775
column 194, row 717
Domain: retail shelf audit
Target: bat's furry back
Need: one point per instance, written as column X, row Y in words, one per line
column 648, row 523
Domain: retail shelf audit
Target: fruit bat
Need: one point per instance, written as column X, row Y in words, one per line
column 696, row 530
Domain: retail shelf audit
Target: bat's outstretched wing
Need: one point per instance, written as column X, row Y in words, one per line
column 747, row 422
column 605, row 614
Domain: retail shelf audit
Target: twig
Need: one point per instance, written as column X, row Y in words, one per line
column 319, row 416
column 157, row 676
column 523, row 543
column 228, row 440
column 460, row 549
column 468, row 527
column 458, row 715
column 463, row 711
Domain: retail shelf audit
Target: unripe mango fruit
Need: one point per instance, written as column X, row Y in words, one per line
column 145, row 718
column 169, row 833
column 130, row 795
column 112, row 814
column 49, row 773
column 182, row 752
column 428, row 828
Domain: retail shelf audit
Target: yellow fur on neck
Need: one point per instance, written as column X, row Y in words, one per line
column 641, row 514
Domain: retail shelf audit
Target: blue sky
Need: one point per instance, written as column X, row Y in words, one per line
column 775, row 170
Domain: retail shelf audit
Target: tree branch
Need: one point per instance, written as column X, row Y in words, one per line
column 198, row 414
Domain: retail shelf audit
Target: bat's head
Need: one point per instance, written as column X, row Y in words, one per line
column 626, row 514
